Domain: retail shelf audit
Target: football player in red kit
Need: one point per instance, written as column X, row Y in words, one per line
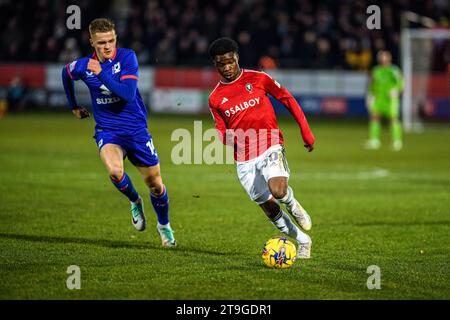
column 245, row 119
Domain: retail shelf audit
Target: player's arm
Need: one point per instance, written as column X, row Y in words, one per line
column 220, row 123
column 395, row 87
column 399, row 83
column 285, row 97
column 67, row 80
column 126, row 87
column 370, row 97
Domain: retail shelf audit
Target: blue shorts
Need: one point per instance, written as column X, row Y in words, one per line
column 138, row 148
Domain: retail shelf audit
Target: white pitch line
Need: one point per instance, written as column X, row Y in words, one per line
column 362, row 175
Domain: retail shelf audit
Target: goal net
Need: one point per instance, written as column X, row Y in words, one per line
column 426, row 70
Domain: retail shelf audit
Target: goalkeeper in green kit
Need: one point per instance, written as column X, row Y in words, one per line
column 383, row 100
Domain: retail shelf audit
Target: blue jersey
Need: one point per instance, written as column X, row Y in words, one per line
column 116, row 101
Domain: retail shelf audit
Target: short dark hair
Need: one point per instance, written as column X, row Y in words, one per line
column 101, row 25
column 222, row 46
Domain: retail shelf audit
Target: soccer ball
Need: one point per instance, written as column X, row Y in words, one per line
column 279, row 253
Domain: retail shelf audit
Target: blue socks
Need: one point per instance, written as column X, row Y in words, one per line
column 125, row 186
column 160, row 203
column 161, row 206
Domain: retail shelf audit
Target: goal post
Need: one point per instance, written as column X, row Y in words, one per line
column 418, row 48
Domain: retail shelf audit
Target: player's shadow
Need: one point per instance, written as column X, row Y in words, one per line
column 114, row 244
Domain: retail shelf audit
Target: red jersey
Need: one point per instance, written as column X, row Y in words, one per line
column 245, row 117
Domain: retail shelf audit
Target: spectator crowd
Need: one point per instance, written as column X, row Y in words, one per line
column 304, row 34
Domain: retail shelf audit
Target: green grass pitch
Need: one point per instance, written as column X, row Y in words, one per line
column 384, row 208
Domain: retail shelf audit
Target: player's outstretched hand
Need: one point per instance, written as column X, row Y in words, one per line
column 81, row 113
column 310, row 147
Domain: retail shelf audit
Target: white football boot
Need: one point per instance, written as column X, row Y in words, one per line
column 137, row 215
column 166, row 234
column 300, row 215
column 373, row 144
column 304, row 249
column 397, row 145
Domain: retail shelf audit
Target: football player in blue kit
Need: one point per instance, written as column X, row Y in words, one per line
column 111, row 74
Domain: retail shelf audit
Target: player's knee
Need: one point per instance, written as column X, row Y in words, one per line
column 155, row 185
column 157, row 189
column 278, row 192
column 116, row 172
column 375, row 117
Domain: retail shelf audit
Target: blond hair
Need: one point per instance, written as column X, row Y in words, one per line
column 101, row 25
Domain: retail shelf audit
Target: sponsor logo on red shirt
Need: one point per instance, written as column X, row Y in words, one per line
column 242, row 106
